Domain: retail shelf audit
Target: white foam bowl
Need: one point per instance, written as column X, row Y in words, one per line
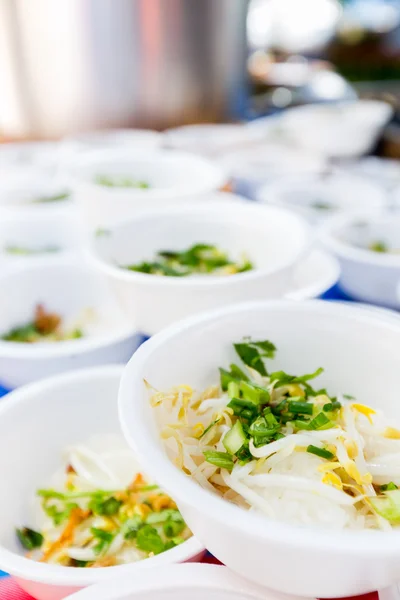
column 360, row 353
column 385, row 171
column 366, row 275
column 343, row 129
column 39, row 232
column 174, row 177
column 210, row 139
column 68, row 289
column 273, row 239
column 22, row 186
column 37, row 423
column 318, row 197
column 314, row 276
column 181, row 582
column 26, row 154
column 258, row 164
column 74, row 147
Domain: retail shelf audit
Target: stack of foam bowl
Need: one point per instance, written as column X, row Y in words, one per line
column 37, row 424
column 163, row 177
column 82, row 299
column 253, row 166
column 274, row 240
column 319, row 197
column 368, row 250
column 359, row 352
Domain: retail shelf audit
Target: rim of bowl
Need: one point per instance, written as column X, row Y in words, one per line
column 211, row 280
column 218, row 176
column 26, row 568
column 329, row 275
column 175, row 577
column 60, row 349
column 328, row 236
column 363, row 542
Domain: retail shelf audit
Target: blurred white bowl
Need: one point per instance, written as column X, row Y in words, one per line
column 342, row 129
column 273, row 239
column 37, row 423
column 318, row 197
column 384, row 171
column 365, row 274
column 38, row 238
column 256, row 165
column 210, row 139
column 181, row 582
column 33, row 190
column 28, row 154
column 314, row 276
column 75, row 293
column 173, row 177
column 75, row 146
column 360, row 354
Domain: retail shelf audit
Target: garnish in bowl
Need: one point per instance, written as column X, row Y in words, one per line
column 45, row 327
column 200, row 259
column 103, row 511
column 121, row 182
column 271, row 442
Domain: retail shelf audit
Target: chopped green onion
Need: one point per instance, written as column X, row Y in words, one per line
column 300, row 408
column 233, row 389
column 331, row 406
column 219, row 459
column 211, row 425
column 320, row 452
column 388, row 487
column 388, row 506
column 234, row 438
column 254, row 393
column 321, row 421
column 29, row 538
column 243, row 408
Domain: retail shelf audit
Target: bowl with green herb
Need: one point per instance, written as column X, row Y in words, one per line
column 320, row 196
column 26, row 191
column 36, row 238
column 368, row 249
column 111, row 185
column 58, row 315
column 81, row 509
column 171, row 263
column 276, row 427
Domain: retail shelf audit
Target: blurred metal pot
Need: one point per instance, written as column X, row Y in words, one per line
column 75, row 65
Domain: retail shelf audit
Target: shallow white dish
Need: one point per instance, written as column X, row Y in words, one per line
column 70, row 290
column 342, row 129
column 314, row 276
column 181, row 582
column 37, row 422
column 318, row 197
column 255, row 165
column 366, row 275
column 273, row 239
column 359, row 351
column 173, row 177
column 46, row 236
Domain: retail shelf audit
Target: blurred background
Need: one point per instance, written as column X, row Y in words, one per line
column 75, row 65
